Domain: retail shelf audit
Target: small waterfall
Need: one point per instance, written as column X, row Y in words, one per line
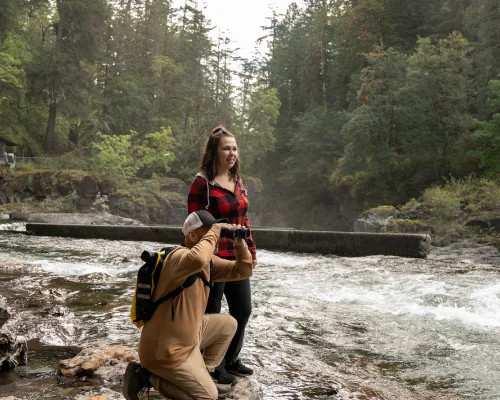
column 13, row 226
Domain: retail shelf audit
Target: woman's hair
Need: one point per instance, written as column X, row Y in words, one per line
column 209, row 159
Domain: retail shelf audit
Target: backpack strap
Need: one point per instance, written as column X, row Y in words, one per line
column 190, row 280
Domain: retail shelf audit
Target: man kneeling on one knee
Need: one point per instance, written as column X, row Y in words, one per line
column 180, row 345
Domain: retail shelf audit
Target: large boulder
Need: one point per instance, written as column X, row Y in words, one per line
column 161, row 207
column 102, row 394
column 389, row 219
column 107, row 362
column 13, row 350
column 375, row 219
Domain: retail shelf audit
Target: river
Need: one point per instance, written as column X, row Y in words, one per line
column 367, row 328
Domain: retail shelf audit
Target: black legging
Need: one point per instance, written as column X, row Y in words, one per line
column 239, row 300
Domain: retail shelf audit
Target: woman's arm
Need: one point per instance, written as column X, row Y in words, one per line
column 198, row 196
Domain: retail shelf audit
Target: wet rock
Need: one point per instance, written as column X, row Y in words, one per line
column 58, row 311
column 95, row 277
column 46, row 299
column 107, row 362
column 5, row 311
column 245, row 389
column 54, row 295
column 13, row 350
column 32, row 373
column 100, row 394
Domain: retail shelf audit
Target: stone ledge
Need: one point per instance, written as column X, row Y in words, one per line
column 347, row 244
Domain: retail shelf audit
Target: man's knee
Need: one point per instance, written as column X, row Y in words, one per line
column 230, row 325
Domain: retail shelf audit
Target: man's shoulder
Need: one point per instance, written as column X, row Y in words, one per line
column 175, row 252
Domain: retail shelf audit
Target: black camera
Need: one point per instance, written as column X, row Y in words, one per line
column 242, row 233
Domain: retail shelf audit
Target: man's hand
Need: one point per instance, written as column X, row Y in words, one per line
column 223, row 225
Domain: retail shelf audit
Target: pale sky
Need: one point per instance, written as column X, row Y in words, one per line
column 241, row 20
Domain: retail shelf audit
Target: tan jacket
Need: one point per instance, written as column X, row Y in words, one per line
column 170, row 335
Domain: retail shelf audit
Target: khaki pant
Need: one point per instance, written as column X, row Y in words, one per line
column 191, row 379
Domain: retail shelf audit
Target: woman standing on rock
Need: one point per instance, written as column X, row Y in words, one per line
column 218, row 189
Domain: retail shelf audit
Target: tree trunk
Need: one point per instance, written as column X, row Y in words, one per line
column 323, row 54
column 51, row 125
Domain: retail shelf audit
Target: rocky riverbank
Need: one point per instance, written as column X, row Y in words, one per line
column 37, row 308
column 38, row 195
column 460, row 209
column 153, row 201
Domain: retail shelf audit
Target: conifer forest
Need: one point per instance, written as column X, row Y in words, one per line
column 365, row 102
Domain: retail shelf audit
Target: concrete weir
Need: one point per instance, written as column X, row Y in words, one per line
column 347, row 244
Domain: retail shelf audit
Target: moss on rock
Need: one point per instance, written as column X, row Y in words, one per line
column 407, row 226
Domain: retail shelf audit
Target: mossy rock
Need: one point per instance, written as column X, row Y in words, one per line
column 485, row 222
column 381, row 211
column 407, row 226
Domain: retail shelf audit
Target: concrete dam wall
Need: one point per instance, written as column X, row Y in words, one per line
column 347, row 244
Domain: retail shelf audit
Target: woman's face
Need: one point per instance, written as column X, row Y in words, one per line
column 227, row 153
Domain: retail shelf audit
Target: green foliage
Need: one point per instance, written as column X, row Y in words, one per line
column 119, row 158
column 115, row 156
column 447, row 208
column 155, row 152
column 356, row 103
column 257, row 130
column 481, row 19
column 444, row 203
column 412, row 205
column 462, row 197
column 434, row 115
column 488, row 135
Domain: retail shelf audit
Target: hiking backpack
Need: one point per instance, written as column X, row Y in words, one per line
column 143, row 306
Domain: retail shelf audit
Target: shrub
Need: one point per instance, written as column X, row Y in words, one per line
column 444, row 203
column 412, row 205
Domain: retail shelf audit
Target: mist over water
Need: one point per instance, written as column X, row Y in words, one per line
column 371, row 328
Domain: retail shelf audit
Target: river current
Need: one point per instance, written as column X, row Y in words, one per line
column 363, row 328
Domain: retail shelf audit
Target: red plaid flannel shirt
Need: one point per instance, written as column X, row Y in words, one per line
column 223, row 204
